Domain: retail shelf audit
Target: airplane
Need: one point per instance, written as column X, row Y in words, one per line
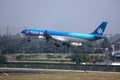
column 68, row 38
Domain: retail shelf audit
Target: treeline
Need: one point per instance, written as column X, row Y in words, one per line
column 11, row 44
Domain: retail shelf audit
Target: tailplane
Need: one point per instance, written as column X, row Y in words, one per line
column 100, row 30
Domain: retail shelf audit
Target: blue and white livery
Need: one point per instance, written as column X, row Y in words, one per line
column 71, row 37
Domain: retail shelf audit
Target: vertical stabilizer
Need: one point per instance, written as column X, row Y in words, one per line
column 101, row 28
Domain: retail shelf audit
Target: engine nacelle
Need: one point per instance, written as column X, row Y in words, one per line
column 41, row 37
column 76, row 44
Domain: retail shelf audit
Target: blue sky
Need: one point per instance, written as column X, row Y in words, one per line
column 62, row 15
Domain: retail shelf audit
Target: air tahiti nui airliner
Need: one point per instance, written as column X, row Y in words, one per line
column 66, row 37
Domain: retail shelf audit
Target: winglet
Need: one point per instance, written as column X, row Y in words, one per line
column 101, row 28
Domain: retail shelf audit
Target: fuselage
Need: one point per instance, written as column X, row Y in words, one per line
column 66, row 36
column 63, row 35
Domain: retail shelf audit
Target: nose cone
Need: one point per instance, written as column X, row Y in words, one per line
column 23, row 32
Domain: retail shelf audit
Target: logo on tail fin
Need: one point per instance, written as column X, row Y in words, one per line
column 100, row 31
column 101, row 28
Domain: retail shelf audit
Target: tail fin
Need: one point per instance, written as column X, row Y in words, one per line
column 101, row 28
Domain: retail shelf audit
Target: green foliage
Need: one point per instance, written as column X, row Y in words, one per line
column 106, row 43
column 79, row 58
column 16, row 44
column 3, row 59
column 49, row 56
column 25, row 57
column 96, row 58
column 19, row 57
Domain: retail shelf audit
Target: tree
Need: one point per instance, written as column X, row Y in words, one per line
column 3, row 59
column 105, row 43
column 78, row 58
